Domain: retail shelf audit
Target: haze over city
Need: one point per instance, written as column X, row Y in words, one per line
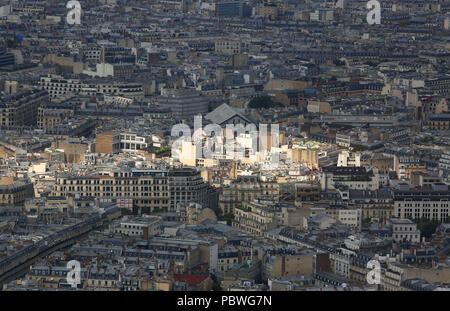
column 221, row 145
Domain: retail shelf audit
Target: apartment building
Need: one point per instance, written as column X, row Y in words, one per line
column 29, row 7
column 404, row 230
column 184, row 104
column 185, row 252
column 92, row 53
column 21, row 108
column 149, row 189
column 439, row 85
column 393, row 277
column 6, row 59
column 375, row 205
column 256, row 217
column 186, row 185
column 343, row 140
column 267, row 9
column 405, row 166
column 142, row 227
column 194, row 213
column 383, row 164
column 444, row 166
column 15, row 191
column 439, row 122
column 349, row 217
column 229, row 46
column 424, row 179
column 230, row 9
column 247, row 188
column 230, row 256
column 59, row 85
column 341, row 261
column 430, row 203
column 105, row 279
column 333, row 177
column 278, row 264
column 346, row 158
column 306, row 156
column 358, row 268
column 49, row 208
column 53, row 277
column 307, row 192
column 112, row 142
column 49, row 118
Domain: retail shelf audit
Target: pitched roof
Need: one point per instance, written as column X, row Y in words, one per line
column 192, row 280
column 223, row 113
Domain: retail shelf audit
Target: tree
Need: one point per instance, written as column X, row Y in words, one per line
column 427, row 139
column 359, row 148
column 12, row 43
column 224, row 217
column 158, row 210
column 216, row 285
column 371, row 63
column 162, row 150
column 228, row 218
column 218, row 212
column 427, row 226
column 366, row 221
column 338, row 62
column 125, row 211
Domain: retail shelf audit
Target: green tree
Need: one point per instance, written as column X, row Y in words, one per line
column 427, row 139
column 224, row 217
column 338, row 62
column 426, row 226
column 158, row 210
column 371, row 63
column 218, row 212
column 228, row 218
column 263, row 102
column 125, row 211
column 216, row 284
column 359, row 148
column 366, row 220
column 12, row 43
